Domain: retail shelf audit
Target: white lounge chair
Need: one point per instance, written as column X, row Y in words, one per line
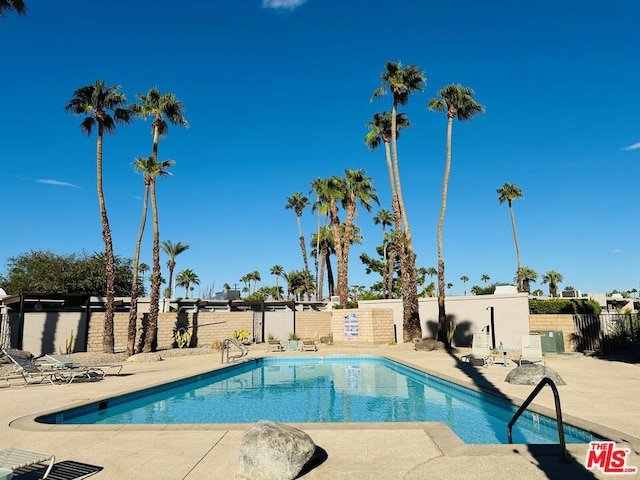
column 531, row 349
column 481, row 353
column 274, row 346
column 29, row 372
column 309, row 345
column 57, row 360
column 16, row 458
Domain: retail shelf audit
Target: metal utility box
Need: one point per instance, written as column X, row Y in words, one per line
column 552, row 341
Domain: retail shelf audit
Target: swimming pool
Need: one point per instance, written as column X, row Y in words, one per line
column 322, row 389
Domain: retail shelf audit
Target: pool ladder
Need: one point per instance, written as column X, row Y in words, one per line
column 226, row 348
column 556, row 397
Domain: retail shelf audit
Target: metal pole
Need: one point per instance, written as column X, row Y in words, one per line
column 493, row 330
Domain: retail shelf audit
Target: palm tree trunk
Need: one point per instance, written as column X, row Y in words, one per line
column 335, row 230
column 390, row 269
column 323, row 254
column 133, row 312
column 330, row 279
column 108, row 340
column 303, row 249
column 442, row 316
column 154, row 306
column 515, row 239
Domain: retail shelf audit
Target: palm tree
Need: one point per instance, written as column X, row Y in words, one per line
column 402, row 82
column 96, row 102
column 277, row 270
column 352, row 190
column 161, row 108
column 527, row 275
column 298, row 202
column 186, row 278
column 509, row 192
column 457, row 102
column 143, row 268
column 384, row 218
column 173, row 250
column 150, row 170
column 464, row 279
column 553, row 278
column 485, row 278
column 327, row 248
column 537, row 292
column 255, row 278
column 7, row 6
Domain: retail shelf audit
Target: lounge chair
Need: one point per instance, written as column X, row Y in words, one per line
column 531, row 349
column 29, row 372
column 481, row 353
column 15, row 458
column 57, row 360
column 309, row 345
column 274, row 346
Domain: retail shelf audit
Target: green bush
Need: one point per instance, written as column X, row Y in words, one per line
column 564, row 305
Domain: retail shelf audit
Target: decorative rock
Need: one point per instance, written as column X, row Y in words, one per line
column 274, row 451
column 428, row 345
column 532, row 374
column 145, row 357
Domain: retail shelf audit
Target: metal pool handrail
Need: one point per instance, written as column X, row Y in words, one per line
column 226, row 347
column 556, row 398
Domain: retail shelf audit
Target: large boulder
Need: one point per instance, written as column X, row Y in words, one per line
column 428, row 345
column 532, row 374
column 274, row 451
column 145, row 357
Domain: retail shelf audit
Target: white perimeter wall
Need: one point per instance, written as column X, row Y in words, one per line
column 470, row 314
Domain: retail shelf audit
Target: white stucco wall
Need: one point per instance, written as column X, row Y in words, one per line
column 470, row 314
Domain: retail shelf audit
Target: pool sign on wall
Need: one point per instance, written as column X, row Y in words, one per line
column 351, row 325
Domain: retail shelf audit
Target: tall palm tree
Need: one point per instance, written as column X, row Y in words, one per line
column 143, row 268
column 457, row 102
column 277, row 271
column 327, row 248
column 553, row 278
column 185, row 278
column 150, row 170
column 298, row 202
column 485, row 278
column 103, row 107
column 7, row 6
column 509, row 192
column 464, row 279
column 527, row 275
column 352, row 190
column 384, row 218
column 402, row 82
column 173, row 250
column 162, row 109
column 255, row 278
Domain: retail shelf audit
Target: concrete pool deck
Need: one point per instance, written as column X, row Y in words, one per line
column 602, row 392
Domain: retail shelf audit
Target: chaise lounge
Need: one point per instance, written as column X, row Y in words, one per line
column 481, row 353
column 64, row 363
column 16, row 458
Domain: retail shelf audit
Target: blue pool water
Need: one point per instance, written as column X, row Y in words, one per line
column 323, row 389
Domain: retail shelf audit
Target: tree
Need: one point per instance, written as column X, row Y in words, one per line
column 527, row 275
column 384, row 218
column 509, row 192
column 8, row 6
column 255, row 278
column 537, row 292
column 298, row 202
column 464, row 279
column 277, row 271
column 327, row 248
column 402, row 82
column 553, row 278
column 352, row 190
column 457, row 102
column 105, row 107
column 46, row 272
column 185, row 278
column 173, row 250
column 161, row 108
column 143, row 268
column 297, row 283
column 150, row 169
column 485, row 278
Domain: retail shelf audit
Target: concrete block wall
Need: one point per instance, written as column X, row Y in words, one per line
column 313, row 325
column 375, row 326
column 562, row 322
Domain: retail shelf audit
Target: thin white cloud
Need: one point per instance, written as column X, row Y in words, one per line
column 617, row 250
column 282, row 4
column 635, row 146
column 58, row 183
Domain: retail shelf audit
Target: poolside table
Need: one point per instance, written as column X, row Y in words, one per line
column 505, row 359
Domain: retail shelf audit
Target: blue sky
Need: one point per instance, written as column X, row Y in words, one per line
column 277, row 94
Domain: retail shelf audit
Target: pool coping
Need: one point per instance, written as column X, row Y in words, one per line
column 446, row 440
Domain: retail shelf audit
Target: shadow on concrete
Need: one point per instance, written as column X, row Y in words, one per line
column 319, row 457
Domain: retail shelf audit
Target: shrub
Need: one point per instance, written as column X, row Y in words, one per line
column 564, row 305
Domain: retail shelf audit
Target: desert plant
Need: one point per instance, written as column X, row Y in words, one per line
column 241, row 335
column 182, row 337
